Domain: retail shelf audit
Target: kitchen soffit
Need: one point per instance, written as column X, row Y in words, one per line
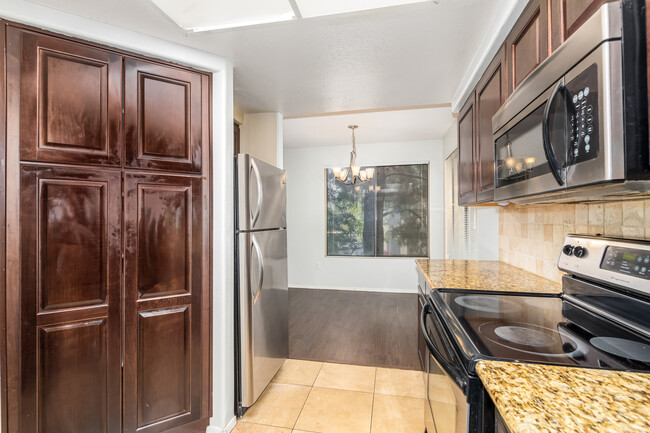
column 206, row 15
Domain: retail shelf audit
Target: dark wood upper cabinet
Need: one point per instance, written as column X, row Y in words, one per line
column 527, row 43
column 490, row 95
column 163, row 294
column 70, row 300
column 163, row 116
column 566, row 16
column 70, row 100
column 466, row 153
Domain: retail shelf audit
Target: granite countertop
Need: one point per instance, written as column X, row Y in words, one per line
column 534, row 398
column 483, row 275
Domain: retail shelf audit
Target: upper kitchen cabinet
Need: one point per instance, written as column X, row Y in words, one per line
column 565, row 16
column 490, row 95
column 527, row 43
column 69, row 99
column 466, row 154
column 163, row 113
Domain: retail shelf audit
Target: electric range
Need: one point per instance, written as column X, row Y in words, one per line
column 601, row 320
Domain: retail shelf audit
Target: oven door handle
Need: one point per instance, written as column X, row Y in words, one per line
column 452, row 371
column 546, row 136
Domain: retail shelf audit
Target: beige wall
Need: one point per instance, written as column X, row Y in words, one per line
column 531, row 237
column 262, row 137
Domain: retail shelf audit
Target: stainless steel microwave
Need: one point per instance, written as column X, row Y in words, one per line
column 576, row 129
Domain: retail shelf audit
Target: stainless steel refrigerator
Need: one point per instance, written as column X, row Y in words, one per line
column 261, row 294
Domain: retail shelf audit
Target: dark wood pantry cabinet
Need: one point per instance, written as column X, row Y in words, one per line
column 107, row 239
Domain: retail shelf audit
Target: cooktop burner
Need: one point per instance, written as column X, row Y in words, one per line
column 526, row 335
column 488, row 304
column 542, row 329
column 623, row 348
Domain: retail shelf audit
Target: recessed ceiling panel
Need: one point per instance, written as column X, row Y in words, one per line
column 317, row 8
column 203, row 15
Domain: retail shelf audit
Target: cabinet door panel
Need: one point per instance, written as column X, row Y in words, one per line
column 163, row 292
column 70, row 300
column 527, row 43
column 466, row 156
column 70, row 100
column 490, row 95
column 64, row 408
column 163, row 109
column 566, row 16
column 164, row 386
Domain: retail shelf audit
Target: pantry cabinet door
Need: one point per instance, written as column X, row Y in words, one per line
column 163, row 116
column 70, row 99
column 163, row 301
column 70, row 300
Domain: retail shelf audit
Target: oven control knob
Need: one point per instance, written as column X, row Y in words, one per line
column 579, row 252
column 567, row 249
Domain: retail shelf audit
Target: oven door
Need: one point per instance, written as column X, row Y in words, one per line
column 447, row 380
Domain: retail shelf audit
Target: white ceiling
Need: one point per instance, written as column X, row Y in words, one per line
column 375, row 127
column 401, row 56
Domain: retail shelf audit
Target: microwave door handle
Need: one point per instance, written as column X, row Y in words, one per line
column 546, row 135
column 449, row 368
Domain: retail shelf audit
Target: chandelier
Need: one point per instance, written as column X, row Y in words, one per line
column 353, row 174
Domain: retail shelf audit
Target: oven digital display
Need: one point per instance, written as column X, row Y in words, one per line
column 627, row 261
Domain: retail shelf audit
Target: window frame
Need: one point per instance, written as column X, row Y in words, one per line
column 428, row 213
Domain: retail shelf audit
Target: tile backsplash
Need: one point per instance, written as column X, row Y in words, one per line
column 530, row 237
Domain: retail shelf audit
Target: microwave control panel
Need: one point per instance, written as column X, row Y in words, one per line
column 582, row 95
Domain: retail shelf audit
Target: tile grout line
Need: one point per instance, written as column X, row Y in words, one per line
column 308, row 394
column 372, row 406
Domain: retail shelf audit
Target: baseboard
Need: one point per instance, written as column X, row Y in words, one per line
column 231, row 425
column 354, row 289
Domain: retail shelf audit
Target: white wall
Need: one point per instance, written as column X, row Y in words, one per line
column 483, row 221
column 261, row 136
column 308, row 265
column 450, row 139
column 222, row 164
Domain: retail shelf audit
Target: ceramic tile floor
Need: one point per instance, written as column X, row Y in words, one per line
column 320, row 397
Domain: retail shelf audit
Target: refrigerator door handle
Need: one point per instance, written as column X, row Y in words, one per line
column 258, row 207
column 260, row 261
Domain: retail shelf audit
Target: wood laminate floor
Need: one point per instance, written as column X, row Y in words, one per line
column 362, row 328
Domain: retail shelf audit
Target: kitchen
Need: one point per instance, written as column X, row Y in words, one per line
column 160, row 320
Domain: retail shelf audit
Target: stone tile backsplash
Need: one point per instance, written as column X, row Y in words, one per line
column 530, row 237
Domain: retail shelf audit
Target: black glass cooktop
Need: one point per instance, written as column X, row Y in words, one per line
column 540, row 329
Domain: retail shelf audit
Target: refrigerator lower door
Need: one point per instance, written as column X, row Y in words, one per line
column 264, row 309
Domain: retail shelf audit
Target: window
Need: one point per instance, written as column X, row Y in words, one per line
column 386, row 217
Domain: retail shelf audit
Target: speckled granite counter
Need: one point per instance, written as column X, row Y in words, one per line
column 535, row 398
column 483, row 275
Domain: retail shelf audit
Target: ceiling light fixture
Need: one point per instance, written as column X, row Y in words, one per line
column 353, row 173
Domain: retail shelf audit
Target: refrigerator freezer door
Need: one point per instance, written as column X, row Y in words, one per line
column 262, row 199
column 264, row 309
